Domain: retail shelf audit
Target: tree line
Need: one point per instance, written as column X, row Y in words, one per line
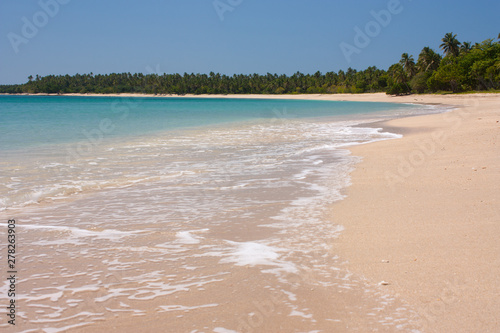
column 462, row 67
column 350, row 81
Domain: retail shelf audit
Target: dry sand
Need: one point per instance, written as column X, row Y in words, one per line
column 423, row 213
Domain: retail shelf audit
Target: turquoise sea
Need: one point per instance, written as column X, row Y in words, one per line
column 158, row 206
column 28, row 121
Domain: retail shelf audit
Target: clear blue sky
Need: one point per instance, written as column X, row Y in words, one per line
column 256, row 36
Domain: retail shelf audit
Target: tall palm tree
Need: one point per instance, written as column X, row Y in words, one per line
column 408, row 64
column 397, row 73
column 466, row 47
column 450, row 44
column 428, row 60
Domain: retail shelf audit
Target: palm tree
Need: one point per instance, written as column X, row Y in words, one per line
column 466, row 47
column 397, row 73
column 408, row 64
column 428, row 60
column 400, row 76
column 450, row 44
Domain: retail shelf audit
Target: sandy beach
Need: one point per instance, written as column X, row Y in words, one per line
column 422, row 216
column 423, row 213
column 421, row 222
column 240, row 166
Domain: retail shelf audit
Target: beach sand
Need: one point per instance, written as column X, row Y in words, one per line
column 422, row 215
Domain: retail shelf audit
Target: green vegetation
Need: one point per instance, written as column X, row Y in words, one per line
column 464, row 67
column 352, row 81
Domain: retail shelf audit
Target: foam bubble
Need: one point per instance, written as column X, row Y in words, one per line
column 73, row 234
column 223, row 330
column 254, row 254
column 187, row 237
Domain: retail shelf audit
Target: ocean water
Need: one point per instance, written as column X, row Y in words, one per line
column 190, row 213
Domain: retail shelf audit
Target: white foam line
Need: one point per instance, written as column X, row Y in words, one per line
column 185, row 237
column 75, row 233
column 168, row 308
column 157, row 289
column 125, row 310
column 223, row 330
column 53, row 297
column 113, row 293
column 300, row 314
column 86, row 314
column 61, row 329
column 76, row 290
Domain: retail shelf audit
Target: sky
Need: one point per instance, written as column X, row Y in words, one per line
column 227, row 36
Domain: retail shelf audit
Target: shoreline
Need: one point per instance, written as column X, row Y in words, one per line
column 422, row 211
column 422, row 214
column 435, row 99
column 170, row 259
